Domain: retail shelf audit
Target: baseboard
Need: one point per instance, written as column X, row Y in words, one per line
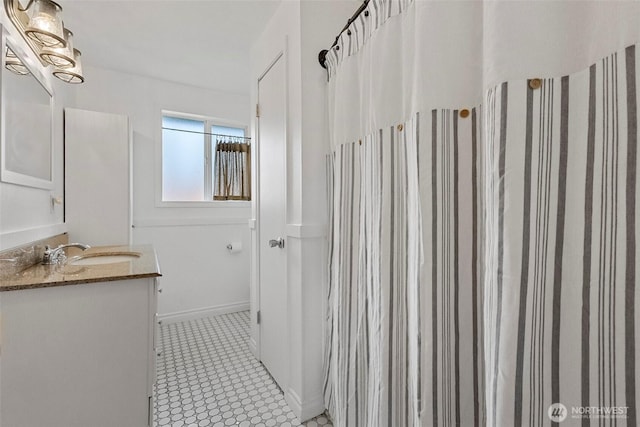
column 304, row 410
column 181, row 316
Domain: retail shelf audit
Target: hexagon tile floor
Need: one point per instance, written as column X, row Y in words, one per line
column 207, row 376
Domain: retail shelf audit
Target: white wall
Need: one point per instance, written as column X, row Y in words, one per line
column 26, row 213
column 302, row 29
column 200, row 276
column 321, row 22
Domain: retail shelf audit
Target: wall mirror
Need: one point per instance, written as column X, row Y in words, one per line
column 26, row 123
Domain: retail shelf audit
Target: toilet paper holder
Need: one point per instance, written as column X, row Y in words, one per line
column 234, row 247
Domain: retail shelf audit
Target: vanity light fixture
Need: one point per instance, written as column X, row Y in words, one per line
column 13, row 64
column 40, row 24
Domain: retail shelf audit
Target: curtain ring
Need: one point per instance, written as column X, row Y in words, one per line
column 535, row 83
column 464, row 113
column 400, row 127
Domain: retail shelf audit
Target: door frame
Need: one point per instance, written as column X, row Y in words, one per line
column 280, row 55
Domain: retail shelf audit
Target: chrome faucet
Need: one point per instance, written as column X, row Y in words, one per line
column 57, row 255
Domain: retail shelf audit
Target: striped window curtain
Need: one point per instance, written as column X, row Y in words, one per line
column 232, row 169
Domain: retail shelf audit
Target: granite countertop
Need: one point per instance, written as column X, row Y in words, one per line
column 43, row 276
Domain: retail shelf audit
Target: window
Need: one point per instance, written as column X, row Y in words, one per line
column 203, row 160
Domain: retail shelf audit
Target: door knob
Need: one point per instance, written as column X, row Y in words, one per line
column 277, row 242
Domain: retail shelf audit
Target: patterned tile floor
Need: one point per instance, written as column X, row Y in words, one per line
column 207, row 376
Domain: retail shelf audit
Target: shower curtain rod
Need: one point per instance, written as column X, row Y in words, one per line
column 322, row 56
column 207, row 133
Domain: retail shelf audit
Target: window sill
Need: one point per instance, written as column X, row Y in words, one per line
column 208, row 204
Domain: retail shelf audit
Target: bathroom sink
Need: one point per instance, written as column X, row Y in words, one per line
column 102, row 258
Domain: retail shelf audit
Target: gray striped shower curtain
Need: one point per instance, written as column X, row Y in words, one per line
column 483, row 269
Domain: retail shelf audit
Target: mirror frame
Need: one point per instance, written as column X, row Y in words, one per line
column 7, row 175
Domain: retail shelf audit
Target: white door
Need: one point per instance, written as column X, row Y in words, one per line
column 272, row 216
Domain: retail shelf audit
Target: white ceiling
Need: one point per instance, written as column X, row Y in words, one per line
column 205, row 43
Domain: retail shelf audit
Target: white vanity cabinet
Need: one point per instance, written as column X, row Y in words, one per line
column 80, row 355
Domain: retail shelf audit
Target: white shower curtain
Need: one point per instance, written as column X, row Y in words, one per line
column 374, row 294
column 483, row 253
column 561, row 275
